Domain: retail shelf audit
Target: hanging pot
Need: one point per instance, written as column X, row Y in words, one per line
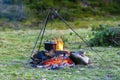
column 50, row 46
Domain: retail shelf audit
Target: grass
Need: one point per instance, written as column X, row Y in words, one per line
column 16, row 46
column 58, row 24
column 81, row 23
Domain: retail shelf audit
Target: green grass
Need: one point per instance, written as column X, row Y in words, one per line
column 58, row 24
column 80, row 23
column 16, row 46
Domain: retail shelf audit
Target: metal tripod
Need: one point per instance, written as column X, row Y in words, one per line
column 42, row 31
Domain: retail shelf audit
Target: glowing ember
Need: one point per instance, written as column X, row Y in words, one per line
column 59, row 45
column 59, row 61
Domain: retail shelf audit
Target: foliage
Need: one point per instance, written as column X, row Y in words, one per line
column 69, row 9
column 105, row 35
column 72, row 9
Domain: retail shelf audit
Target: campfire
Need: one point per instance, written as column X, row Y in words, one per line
column 55, row 56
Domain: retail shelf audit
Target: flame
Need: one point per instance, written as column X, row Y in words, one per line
column 59, row 45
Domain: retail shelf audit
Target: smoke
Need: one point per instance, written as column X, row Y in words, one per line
column 12, row 10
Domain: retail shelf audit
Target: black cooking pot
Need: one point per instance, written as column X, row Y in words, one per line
column 50, row 46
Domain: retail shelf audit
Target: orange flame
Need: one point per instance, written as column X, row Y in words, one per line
column 59, row 45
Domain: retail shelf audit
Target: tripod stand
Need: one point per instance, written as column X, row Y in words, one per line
column 42, row 31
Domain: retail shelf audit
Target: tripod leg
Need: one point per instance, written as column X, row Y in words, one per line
column 44, row 25
column 78, row 34
column 69, row 26
column 37, row 41
column 41, row 33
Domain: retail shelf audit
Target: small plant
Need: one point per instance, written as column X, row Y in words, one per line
column 105, row 35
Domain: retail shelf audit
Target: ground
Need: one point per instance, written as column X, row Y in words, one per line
column 16, row 46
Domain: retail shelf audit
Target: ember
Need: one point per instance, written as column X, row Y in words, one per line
column 59, row 61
